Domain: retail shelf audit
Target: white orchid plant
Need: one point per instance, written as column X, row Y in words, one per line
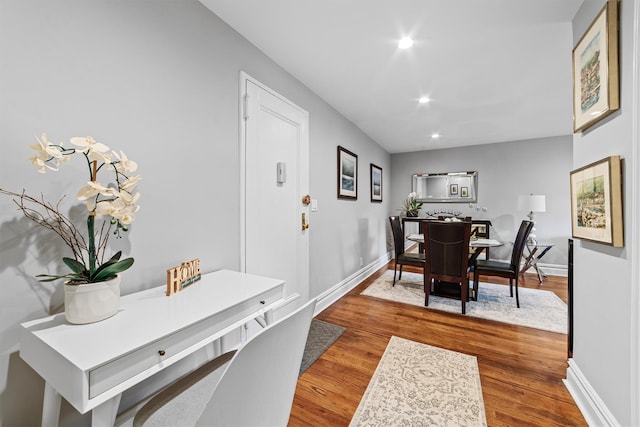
column 116, row 202
column 411, row 206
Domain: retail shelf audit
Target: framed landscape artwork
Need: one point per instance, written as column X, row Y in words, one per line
column 453, row 189
column 596, row 202
column 464, row 191
column 376, row 183
column 595, row 70
column 347, row 174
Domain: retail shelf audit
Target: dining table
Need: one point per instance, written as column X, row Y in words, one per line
column 479, row 245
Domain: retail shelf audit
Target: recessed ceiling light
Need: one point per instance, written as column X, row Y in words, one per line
column 405, row 43
column 424, row 100
column 435, row 135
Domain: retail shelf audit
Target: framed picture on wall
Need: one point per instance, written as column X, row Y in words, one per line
column 464, row 191
column 596, row 202
column 347, row 174
column 453, row 189
column 376, row 183
column 595, row 70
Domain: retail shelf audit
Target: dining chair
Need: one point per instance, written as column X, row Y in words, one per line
column 402, row 257
column 251, row 386
column 446, row 246
column 511, row 269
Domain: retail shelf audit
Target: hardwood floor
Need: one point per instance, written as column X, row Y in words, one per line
column 521, row 369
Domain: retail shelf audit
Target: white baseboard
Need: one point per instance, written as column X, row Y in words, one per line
column 593, row 409
column 339, row 290
column 552, row 269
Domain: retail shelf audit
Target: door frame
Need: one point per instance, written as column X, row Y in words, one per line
column 242, row 107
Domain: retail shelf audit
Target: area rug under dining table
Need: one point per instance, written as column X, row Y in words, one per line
column 539, row 309
column 417, row 384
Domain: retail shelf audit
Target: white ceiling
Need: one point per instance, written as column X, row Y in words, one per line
column 495, row 70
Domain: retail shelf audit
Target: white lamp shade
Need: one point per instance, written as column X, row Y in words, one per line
column 532, row 203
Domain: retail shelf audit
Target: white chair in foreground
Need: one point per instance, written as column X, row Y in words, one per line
column 253, row 386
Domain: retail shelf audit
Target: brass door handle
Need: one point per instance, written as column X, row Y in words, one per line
column 304, row 221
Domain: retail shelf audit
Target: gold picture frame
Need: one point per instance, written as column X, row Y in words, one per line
column 596, row 202
column 596, row 92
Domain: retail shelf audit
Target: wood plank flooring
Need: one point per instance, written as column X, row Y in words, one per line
column 521, row 369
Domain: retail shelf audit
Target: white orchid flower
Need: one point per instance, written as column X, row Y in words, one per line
column 40, row 165
column 87, row 143
column 123, row 164
column 99, row 156
column 128, row 199
column 127, row 215
column 130, row 183
column 91, row 205
column 105, row 207
column 45, row 152
column 92, row 189
column 117, row 209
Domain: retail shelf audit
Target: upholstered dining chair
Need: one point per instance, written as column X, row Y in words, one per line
column 446, row 247
column 402, row 257
column 509, row 269
column 252, row 386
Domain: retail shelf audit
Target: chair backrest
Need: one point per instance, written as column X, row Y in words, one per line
column 258, row 385
column 398, row 237
column 446, row 247
column 518, row 245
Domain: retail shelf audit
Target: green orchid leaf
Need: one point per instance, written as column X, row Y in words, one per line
column 107, row 271
column 47, row 278
column 74, row 278
column 74, row 265
column 115, row 258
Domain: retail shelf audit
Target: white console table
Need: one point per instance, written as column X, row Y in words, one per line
column 91, row 365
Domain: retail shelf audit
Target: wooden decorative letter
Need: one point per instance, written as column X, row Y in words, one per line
column 182, row 276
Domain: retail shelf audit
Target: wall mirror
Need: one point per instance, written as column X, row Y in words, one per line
column 452, row 187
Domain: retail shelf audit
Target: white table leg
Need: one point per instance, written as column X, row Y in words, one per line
column 104, row 415
column 51, row 406
column 268, row 317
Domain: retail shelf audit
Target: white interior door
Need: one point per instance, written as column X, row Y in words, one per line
column 276, row 139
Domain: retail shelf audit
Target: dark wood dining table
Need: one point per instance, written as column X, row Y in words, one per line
column 479, row 244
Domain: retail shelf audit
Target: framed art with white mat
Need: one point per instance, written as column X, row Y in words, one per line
column 596, row 92
column 596, row 202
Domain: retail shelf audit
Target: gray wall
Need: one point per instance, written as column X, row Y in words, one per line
column 505, row 171
column 159, row 80
column 605, row 287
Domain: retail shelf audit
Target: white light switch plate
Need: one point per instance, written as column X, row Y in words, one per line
column 314, row 205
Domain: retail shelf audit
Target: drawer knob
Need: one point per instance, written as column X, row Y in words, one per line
column 262, row 302
column 161, row 352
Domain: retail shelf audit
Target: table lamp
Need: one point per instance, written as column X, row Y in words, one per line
column 532, row 203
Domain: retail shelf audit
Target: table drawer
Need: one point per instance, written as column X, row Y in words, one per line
column 148, row 355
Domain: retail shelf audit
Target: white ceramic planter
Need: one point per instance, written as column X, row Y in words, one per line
column 91, row 302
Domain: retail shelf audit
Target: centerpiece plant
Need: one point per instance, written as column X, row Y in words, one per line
column 111, row 207
column 411, row 206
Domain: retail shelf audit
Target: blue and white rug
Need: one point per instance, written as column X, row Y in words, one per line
column 538, row 309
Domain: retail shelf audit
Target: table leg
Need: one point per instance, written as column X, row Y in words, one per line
column 530, row 260
column 472, row 261
column 51, row 406
column 540, row 275
column 104, row 415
